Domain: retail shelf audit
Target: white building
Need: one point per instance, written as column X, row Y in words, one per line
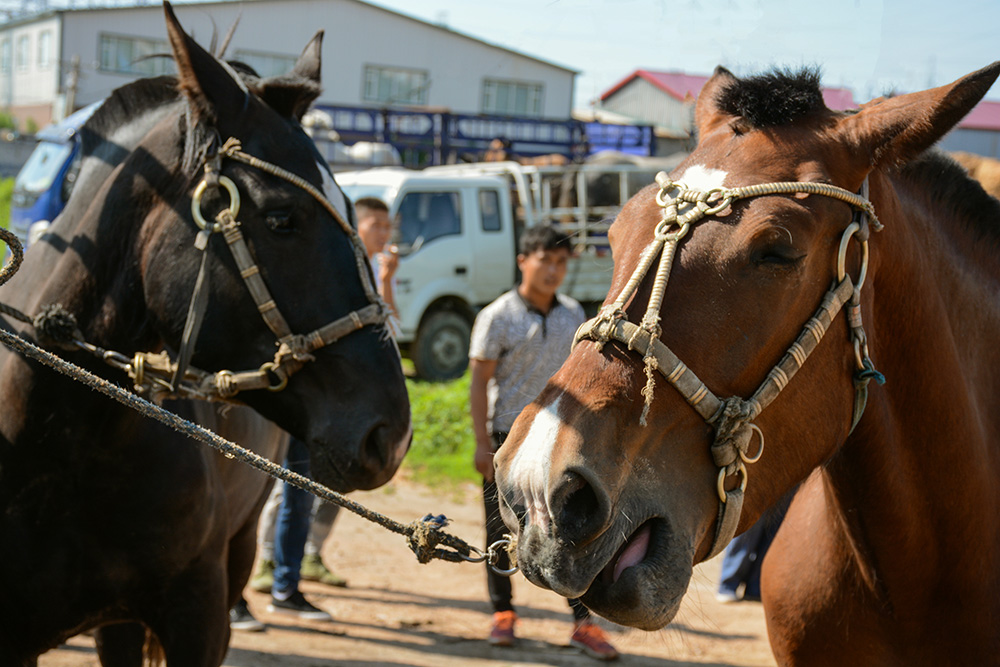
column 371, row 57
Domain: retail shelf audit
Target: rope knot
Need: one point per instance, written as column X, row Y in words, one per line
column 733, row 431
column 293, row 348
column 423, row 537
column 57, row 327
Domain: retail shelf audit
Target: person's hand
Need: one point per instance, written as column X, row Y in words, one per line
column 388, row 263
column 484, row 459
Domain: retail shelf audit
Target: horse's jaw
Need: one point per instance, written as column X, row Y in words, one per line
column 638, row 580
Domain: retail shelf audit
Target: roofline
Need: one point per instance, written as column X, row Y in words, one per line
column 457, row 33
column 642, row 74
column 74, row 10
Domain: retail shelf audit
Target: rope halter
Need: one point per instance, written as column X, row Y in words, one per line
column 732, row 418
column 158, row 376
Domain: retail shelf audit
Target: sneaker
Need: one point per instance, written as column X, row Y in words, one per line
column 727, row 597
column 590, row 639
column 263, row 578
column 313, row 569
column 503, row 628
column 297, row 605
column 240, row 618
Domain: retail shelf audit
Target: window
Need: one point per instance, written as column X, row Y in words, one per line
column 125, row 55
column 425, row 216
column 5, row 56
column 266, row 64
column 512, row 98
column 489, row 208
column 23, row 44
column 45, row 49
column 395, row 85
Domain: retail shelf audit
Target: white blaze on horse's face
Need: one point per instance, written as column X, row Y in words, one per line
column 529, row 470
column 331, row 191
column 698, row 177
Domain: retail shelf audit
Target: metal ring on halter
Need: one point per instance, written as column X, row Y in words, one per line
column 494, row 555
column 851, row 230
column 139, row 368
column 269, row 367
column 479, row 558
column 234, row 203
column 720, row 484
column 760, row 452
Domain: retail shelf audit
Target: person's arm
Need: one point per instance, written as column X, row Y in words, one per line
column 482, row 371
column 387, row 265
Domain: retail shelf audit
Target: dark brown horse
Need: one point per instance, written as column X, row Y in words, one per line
column 746, row 318
column 112, row 521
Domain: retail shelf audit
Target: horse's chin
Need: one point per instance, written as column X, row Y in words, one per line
column 639, row 582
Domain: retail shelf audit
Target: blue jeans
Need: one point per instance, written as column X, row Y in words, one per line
column 294, row 518
column 745, row 554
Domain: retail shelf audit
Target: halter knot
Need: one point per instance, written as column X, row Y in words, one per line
column 733, row 430
column 57, row 327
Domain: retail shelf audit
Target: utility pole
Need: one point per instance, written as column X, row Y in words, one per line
column 72, row 82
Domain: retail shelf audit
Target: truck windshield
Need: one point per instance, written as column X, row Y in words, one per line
column 42, row 167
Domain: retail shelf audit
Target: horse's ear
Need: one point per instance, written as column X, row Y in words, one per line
column 706, row 111
column 206, row 82
column 895, row 129
column 309, row 63
column 291, row 95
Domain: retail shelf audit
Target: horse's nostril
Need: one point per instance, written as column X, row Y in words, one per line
column 375, row 454
column 577, row 509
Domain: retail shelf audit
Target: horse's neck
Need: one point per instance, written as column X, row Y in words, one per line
column 924, row 458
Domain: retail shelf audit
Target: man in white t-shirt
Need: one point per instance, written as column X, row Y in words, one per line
column 375, row 230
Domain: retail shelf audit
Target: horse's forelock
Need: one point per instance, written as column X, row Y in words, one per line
column 778, row 97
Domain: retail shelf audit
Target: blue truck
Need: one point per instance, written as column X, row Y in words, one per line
column 46, row 180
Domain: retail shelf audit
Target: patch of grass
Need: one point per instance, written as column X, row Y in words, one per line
column 6, row 190
column 443, row 441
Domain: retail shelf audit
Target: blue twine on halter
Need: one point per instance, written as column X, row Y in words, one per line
column 436, row 521
column 861, row 380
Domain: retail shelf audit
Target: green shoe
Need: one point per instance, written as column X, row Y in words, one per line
column 263, row 578
column 313, row 569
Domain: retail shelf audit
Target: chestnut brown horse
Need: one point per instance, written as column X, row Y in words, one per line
column 731, row 365
column 113, row 522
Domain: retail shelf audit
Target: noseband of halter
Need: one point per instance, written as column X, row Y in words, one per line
column 732, row 418
column 157, row 375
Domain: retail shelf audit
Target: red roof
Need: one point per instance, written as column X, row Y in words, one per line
column 687, row 86
column 985, row 116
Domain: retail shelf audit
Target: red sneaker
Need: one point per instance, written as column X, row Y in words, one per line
column 590, row 639
column 503, row 628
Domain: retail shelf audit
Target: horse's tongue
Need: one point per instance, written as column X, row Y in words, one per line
column 634, row 552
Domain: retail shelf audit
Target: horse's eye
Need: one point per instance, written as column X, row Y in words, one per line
column 777, row 257
column 279, row 221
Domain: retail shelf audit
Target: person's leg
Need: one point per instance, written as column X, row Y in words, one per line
column 323, row 516
column 499, row 586
column 290, row 540
column 587, row 636
column 268, row 521
column 313, row 568
column 263, row 577
column 736, row 563
column 504, row 616
column 293, row 524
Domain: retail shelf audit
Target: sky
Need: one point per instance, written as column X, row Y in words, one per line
column 872, row 47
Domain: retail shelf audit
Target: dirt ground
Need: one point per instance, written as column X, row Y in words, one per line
column 398, row 612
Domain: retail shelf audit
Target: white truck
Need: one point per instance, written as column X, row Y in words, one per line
column 457, row 228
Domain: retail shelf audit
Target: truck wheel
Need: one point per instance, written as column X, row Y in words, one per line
column 441, row 351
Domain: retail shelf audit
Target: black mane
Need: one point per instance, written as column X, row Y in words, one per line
column 946, row 183
column 126, row 104
column 778, row 97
